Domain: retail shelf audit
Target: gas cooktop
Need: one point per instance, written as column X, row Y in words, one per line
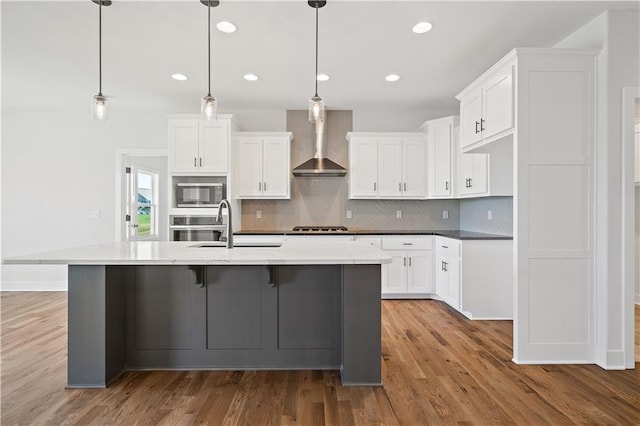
column 320, row 229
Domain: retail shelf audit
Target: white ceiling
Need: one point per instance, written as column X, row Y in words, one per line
column 49, row 50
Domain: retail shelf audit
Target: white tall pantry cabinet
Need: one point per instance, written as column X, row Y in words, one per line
column 553, row 146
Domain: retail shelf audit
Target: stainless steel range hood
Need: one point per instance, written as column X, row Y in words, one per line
column 319, row 165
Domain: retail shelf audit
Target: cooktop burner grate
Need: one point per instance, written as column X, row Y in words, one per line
column 320, row 229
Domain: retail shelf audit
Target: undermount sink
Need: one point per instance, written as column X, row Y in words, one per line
column 237, row 245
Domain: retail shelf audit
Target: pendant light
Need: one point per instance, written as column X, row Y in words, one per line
column 209, row 105
column 316, row 104
column 100, row 105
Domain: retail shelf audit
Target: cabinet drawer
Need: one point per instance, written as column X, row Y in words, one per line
column 409, row 243
column 448, row 247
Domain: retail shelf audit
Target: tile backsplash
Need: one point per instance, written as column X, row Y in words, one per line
column 474, row 215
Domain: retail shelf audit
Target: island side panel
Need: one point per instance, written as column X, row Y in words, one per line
column 95, row 326
column 361, row 325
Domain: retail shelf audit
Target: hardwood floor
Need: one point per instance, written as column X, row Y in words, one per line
column 438, row 367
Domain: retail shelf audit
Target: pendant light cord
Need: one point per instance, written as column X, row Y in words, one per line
column 209, row 44
column 100, row 49
column 316, row 76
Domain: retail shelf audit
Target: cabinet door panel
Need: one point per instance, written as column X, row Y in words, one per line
column 250, row 167
column 162, row 307
column 479, row 180
column 276, row 167
column 442, row 279
column 234, row 307
column 470, row 114
column 396, row 274
column 390, row 168
column 363, row 170
column 498, row 104
column 183, row 145
column 420, row 271
column 308, row 306
column 414, row 168
column 441, row 140
column 214, row 147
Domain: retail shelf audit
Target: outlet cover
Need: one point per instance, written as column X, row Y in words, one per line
column 349, row 214
column 258, row 214
column 95, row 214
column 489, row 215
column 398, row 214
column 445, row 214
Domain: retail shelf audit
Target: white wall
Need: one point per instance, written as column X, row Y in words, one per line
column 616, row 32
column 57, row 166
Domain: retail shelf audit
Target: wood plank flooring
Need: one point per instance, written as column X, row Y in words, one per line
column 438, row 367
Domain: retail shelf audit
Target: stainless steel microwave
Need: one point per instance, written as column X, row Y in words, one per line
column 199, row 194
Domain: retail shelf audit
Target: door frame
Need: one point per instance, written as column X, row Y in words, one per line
column 628, row 263
column 121, row 155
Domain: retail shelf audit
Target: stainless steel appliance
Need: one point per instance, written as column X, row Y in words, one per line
column 199, row 194
column 196, row 228
column 314, row 229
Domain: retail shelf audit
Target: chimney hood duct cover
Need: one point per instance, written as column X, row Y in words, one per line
column 319, row 165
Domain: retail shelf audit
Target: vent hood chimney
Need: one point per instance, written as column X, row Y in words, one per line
column 319, row 165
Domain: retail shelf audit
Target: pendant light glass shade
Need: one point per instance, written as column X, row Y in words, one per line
column 100, row 105
column 209, row 104
column 316, row 109
column 316, row 104
column 209, row 108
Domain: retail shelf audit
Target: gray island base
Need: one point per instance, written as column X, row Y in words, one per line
column 223, row 317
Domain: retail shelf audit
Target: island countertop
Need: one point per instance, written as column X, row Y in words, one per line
column 298, row 252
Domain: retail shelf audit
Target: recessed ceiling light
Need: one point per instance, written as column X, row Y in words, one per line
column 323, row 77
column 226, row 27
column 422, row 27
column 392, row 77
column 179, row 77
column 250, row 77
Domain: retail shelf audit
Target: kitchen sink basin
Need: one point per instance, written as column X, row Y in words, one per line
column 237, row 245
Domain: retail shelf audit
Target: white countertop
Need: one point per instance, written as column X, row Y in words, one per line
column 293, row 252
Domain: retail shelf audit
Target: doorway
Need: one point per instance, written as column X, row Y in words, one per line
column 142, row 195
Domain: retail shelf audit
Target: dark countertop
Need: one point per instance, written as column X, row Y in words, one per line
column 457, row 234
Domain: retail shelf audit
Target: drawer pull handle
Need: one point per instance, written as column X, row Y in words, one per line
column 444, row 246
column 407, row 244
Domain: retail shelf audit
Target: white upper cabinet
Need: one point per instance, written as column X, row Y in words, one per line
column 200, row 147
column 387, row 165
column 486, row 107
column 263, row 165
column 473, row 177
column 442, row 156
column 363, row 168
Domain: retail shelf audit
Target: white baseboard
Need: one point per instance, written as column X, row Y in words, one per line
column 552, row 362
column 614, row 361
column 33, row 286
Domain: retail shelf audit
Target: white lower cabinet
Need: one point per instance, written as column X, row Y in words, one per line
column 410, row 274
column 475, row 277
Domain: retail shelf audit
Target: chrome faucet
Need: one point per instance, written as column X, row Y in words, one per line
column 229, row 226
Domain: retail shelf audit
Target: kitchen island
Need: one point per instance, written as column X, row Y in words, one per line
column 177, row 305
